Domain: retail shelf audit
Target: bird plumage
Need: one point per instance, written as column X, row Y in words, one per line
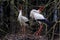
column 36, row 14
column 22, row 19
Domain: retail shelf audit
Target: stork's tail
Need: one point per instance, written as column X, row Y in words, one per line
column 27, row 23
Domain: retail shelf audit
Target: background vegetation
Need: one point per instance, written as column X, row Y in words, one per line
column 9, row 14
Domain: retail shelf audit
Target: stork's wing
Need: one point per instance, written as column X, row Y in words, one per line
column 35, row 14
column 25, row 19
column 38, row 16
column 32, row 13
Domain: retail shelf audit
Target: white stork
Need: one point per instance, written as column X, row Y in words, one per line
column 22, row 19
column 35, row 14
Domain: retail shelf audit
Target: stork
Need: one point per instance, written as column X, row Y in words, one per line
column 22, row 19
column 35, row 15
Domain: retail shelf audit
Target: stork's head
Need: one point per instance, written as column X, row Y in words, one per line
column 20, row 5
column 41, row 8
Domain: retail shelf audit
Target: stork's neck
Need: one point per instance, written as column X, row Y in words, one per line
column 20, row 12
column 38, row 11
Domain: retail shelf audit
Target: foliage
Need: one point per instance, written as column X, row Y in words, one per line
column 9, row 14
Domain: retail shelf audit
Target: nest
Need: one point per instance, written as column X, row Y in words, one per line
column 23, row 37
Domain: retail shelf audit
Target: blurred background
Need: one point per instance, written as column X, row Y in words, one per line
column 9, row 13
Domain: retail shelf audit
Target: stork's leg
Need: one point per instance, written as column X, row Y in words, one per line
column 22, row 29
column 37, row 33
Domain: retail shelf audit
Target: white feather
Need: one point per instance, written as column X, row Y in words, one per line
column 36, row 14
column 22, row 19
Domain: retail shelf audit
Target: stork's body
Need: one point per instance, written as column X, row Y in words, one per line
column 35, row 15
column 22, row 19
